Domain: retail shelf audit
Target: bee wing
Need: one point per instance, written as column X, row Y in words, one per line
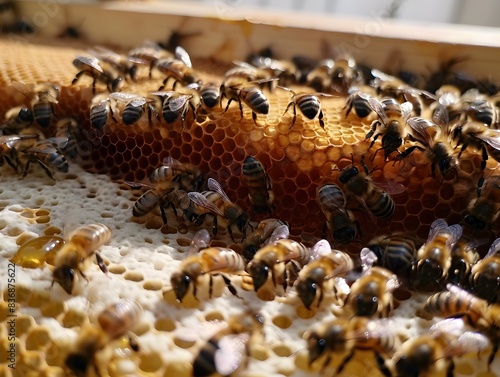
column 163, row 93
column 494, row 248
column 462, row 294
column 420, row 126
column 391, row 187
column 213, row 185
column 328, row 95
column 436, row 227
column 281, row 232
column 201, row 201
column 25, row 89
column 368, row 258
column 378, row 108
column 244, row 65
column 320, row 248
column 137, row 185
column 341, row 286
column 124, row 97
column 441, row 117
column 230, row 353
column 183, row 56
column 452, row 326
column 383, row 76
column 200, row 241
column 91, row 61
column 448, row 99
column 56, row 141
column 492, row 138
column 406, row 109
column 11, row 140
column 471, row 95
column 178, row 103
column 45, row 149
column 471, row 341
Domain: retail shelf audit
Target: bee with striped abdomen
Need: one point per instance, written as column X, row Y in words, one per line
column 259, row 185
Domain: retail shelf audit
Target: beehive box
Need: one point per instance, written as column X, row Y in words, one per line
column 143, row 253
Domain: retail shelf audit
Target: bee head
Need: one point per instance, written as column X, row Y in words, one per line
column 259, row 272
column 345, row 234
column 64, row 276
column 348, row 174
column 366, row 305
column 180, row 283
column 429, row 271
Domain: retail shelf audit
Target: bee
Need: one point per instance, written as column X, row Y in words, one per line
column 285, row 70
column 259, row 185
column 100, row 110
column 16, row 120
column 483, row 211
column 267, row 232
column 149, row 53
column 11, row 145
column 449, row 97
column 371, row 294
column 175, row 105
column 308, row 104
column 434, row 351
column 479, row 137
column 339, row 220
column 320, row 76
column 248, row 93
column 477, row 107
column 392, row 117
column 90, row 66
column 178, row 68
column 224, row 352
column 245, row 73
column 209, row 96
column 187, row 176
column 434, row 256
column 484, row 275
column 371, row 196
column 135, row 107
column 43, row 97
column 114, row 322
column 214, row 261
column 278, row 262
column 344, row 337
column 126, row 65
column 81, row 244
column 395, row 252
column 217, row 203
column 437, row 148
column 318, row 277
column 358, row 100
column 68, row 128
column 463, row 256
column 345, row 74
column 48, row 154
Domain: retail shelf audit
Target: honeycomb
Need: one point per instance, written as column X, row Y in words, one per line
column 140, row 259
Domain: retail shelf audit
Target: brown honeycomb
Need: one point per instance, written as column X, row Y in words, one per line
column 297, row 161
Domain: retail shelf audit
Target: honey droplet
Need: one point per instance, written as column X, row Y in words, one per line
column 34, row 253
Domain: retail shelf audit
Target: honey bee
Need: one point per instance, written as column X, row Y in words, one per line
column 259, row 185
column 484, row 275
column 318, row 277
column 319, row 77
column 245, row 73
column 345, row 74
column 373, row 197
column 463, row 256
column 209, row 96
column 214, row 261
column 285, row 70
column 483, row 211
column 395, row 252
column 308, row 104
column 100, row 110
column 178, row 68
column 69, row 129
column 175, row 105
column 437, row 148
column 135, row 107
column 392, row 117
column 11, row 145
column 224, row 352
column 371, row 294
column 114, row 322
column 126, row 65
column 340, row 221
column 48, row 154
column 16, row 120
column 248, row 93
column 268, row 231
column 150, row 53
column 340, row 336
column 90, row 66
column 449, row 98
column 278, row 262
column 358, row 100
column 81, row 244
column 43, row 97
column 217, row 203
column 434, row 256
column 479, row 108
column 187, row 176
column 434, row 351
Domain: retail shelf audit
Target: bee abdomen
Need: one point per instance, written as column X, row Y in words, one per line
column 310, row 106
column 383, row 207
column 92, row 235
column 131, row 114
column 42, row 114
column 257, row 102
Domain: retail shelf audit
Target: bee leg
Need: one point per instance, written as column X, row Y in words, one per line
column 230, row 231
column 77, row 77
column 494, row 349
column 11, row 164
column 241, row 109
column 163, row 215
column 230, row 285
column 320, row 118
column 210, row 286
column 254, row 117
column 132, row 341
column 83, row 276
column 46, row 169
column 480, row 184
column 100, row 263
column 325, row 226
column 344, row 362
column 451, row 368
column 164, row 83
column 228, row 103
column 381, row 365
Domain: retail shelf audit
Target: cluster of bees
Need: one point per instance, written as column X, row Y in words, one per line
column 358, row 289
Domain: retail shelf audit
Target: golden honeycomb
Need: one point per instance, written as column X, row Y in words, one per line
column 140, row 258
